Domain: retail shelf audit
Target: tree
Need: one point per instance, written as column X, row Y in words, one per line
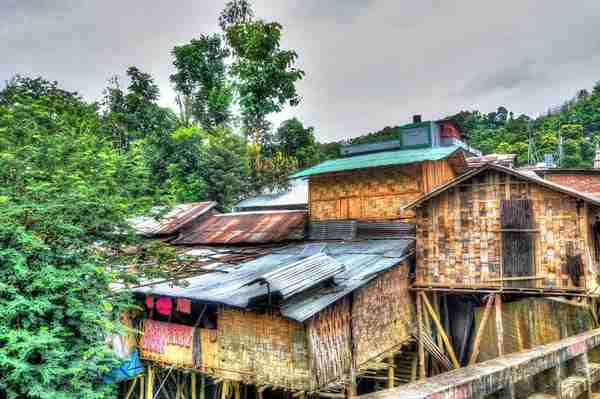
column 235, row 12
column 264, row 74
column 65, row 196
column 135, row 114
column 201, row 77
column 294, row 140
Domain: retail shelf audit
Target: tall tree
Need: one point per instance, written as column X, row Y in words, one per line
column 201, row 77
column 64, row 190
column 135, row 114
column 294, row 140
column 264, row 74
column 235, row 12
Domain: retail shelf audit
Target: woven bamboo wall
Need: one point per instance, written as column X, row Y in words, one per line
column 368, row 194
column 263, row 349
column 459, row 239
column 330, row 342
column 382, row 316
column 530, row 322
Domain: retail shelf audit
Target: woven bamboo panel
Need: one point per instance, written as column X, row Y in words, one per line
column 262, row 349
column 371, row 194
column 382, row 316
column 157, row 345
column 459, row 239
column 330, row 342
column 530, row 322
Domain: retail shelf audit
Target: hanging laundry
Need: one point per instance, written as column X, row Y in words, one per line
column 184, row 305
column 149, row 302
column 164, row 306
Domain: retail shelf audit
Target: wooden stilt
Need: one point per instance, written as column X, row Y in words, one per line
column 477, row 344
column 499, row 325
column 421, row 348
column 391, row 372
column 150, row 383
column 131, row 387
column 202, row 386
column 413, row 369
column 178, row 387
column 351, row 387
column 224, row 389
column 142, row 381
column 193, row 385
column 441, row 331
column 237, row 392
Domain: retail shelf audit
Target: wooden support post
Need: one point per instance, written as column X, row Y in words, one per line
column 421, row 348
column 224, row 389
column 476, row 345
column 193, row 385
column 391, row 376
column 142, row 381
column 150, row 383
column 202, row 386
column 499, row 324
column 582, row 368
column 131, row 387
column 237, row 391
column 441, row 331
column 413, row 368
column 351, row 387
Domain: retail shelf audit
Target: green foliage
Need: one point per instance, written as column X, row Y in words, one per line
column 64, row 190
column 135, row 114
column 235, row 12
column 292, row 139
column 264, row 74
column 202, row 77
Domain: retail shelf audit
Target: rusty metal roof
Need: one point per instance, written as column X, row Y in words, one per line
column 168, row 224
column 247, row 228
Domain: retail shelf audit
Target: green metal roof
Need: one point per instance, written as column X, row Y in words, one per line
column 387, row 158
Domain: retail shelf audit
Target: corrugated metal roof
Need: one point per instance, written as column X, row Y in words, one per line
column 354, row 263
column 292, row 278
column 173, row 220
column 296, row 195
column 388, row 158
column 247, row 227
column 525, row 175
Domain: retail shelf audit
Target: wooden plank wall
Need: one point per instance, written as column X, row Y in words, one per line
column 263, row 349
column 382, row 316
column 330, row 342
column 458, row 238
column 376, row 193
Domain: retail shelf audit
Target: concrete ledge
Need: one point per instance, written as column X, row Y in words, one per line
column 493, row 375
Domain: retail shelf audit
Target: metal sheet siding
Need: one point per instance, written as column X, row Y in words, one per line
column 172, row 221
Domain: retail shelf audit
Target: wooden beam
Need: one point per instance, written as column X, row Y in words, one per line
column 441, row 331
column 130, row 391
column 499, row 325
column 421, row 348
column 477, row 343
column 149, row 382
column 390, row 378
column 193, row 385
column 237, row 391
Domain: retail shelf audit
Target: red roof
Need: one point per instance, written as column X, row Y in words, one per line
column 178, row 217
column 247, row 227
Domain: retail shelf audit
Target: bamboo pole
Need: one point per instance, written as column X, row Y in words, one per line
column 413, row 369
column 441, row 331
column 390, row 377
column 477, row 343
column 421, row 348
column 237, row 390
column 142, row 381
column 202, row 386
column 499, row 326
column 130, row 391
column 150, row 383
column 193, row 385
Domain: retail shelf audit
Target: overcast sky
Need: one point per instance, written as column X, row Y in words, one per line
column 368, row 63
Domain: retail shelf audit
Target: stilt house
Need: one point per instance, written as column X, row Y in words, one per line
column 494, row 243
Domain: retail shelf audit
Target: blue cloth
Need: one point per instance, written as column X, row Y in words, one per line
column 129, row 369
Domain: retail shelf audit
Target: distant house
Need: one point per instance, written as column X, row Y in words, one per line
column 373, row 181
column 294, row 198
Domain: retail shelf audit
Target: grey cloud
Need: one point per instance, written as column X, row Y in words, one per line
column 369, row 63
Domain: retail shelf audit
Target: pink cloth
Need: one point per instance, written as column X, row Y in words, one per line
column 149, row 302
column 164, row 306
column 184, row 305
